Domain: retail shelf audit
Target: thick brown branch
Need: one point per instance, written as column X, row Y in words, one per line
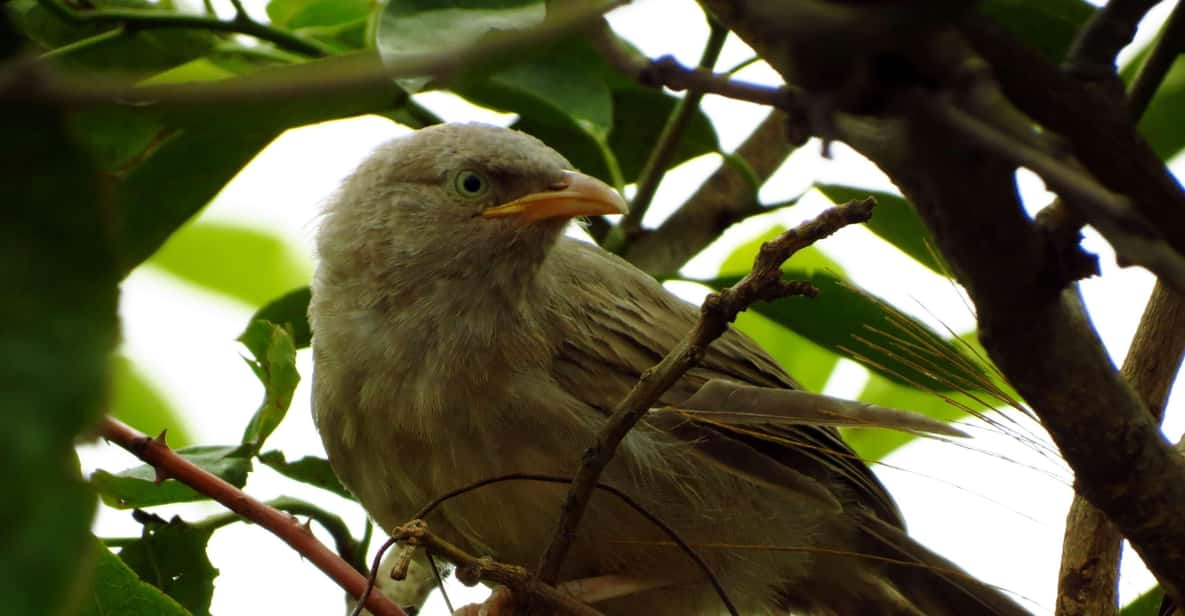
column 279, row 523
column 1108, row 31
column 1096, row 124
column 1090, row 551
column 719, row 309
column 728, row 196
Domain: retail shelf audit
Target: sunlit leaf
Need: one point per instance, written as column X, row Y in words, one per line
column 873, row 444
column 137, row 486
column 309, row 469
column 138, row 403
column 59, row 329
column 172, row 557
column 290, row 310
column 810, row 364
column 1162, row 124
column 118, row 590
column 894, row 220
column 274, row 362
column 1049, row 25
column 1147, row 604
column 251, row 265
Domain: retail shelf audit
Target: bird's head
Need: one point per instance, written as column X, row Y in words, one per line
column 458, row 200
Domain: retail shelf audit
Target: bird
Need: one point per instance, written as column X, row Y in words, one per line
column 460, row 334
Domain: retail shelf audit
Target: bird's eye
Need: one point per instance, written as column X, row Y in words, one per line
column 471, row 184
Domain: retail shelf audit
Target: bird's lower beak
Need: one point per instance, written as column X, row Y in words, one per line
column 576, row 195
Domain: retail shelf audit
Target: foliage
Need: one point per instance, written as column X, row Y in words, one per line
column 97, row 191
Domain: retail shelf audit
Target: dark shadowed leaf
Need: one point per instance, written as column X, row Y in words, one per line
column 1147, row 604
column 309, row 469
column 1049, row 25
column 250, row 265
column 138, row 403
column 290, row 310
column 410, row 27
column 172, row 557
column 274, row 362
column 638, row 120
column 856, row 324
column 894, row 220
column 118, row 590
column 137, row 486
column 210, row 144
column 59, row 329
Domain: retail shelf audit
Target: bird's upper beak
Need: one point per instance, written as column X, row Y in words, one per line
column 575, row 195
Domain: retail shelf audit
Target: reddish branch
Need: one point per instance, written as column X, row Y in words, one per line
column 170, row 465
column 764, row 283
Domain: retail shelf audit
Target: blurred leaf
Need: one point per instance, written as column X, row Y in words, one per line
column 410, row 27
column 137, row 486
column 211, row 145
column 290, row 310
column 638, row 120
column 1147, row 604
column 309, row 469
column 199, row 69
column 116, row 136
column 1162, row 124
column 293, row 14
column 252, row 266
column 809, row 364
column 138, row 403
column 856, row 324
column 1049, row 25
column 172, row 557
column 118, row 590
column 894, row 220
column 136, row 53
column 873, row 444
column 274, row 363
column 59, row 314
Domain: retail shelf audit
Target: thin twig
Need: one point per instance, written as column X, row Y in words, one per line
column 622, row 496
column 284, row 526
column 143, row 19
column 670, row 138
column 718, row 310
column 439, row 581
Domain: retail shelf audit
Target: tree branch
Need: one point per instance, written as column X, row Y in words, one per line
column 1099, row 41
column 142, row 19
column 719, row 309
column 727, row 197
column 1090, row 550
column 280, row 524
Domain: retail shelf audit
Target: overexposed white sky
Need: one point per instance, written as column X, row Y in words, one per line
column 993, row 506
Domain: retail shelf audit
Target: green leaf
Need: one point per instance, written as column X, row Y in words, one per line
column 290, row 310
column 309, row 469
column 116, row 136
column 274, row 363
column 1049, row 26
column 1147, row 604
column 118, row 590
column 810, row 364
column 847, row 320
column 172, row 557
column 894, row 220
column 59, row 314
column 294, row 14
column 250, row 265
column 137, row 487
column 872, row 444
column 411, row 27
column 211, row 144
column 638, row 120
column 138, row 403
column 1162, row 124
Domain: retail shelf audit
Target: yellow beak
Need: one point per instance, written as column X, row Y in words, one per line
column 576, row 195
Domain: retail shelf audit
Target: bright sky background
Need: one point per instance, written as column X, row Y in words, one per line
column 993, row 506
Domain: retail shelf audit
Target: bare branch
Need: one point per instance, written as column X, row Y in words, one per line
column 282, row 525
column 1109, row 30
column 718, row 310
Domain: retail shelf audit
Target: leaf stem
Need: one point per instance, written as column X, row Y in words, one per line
column 84, row 43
